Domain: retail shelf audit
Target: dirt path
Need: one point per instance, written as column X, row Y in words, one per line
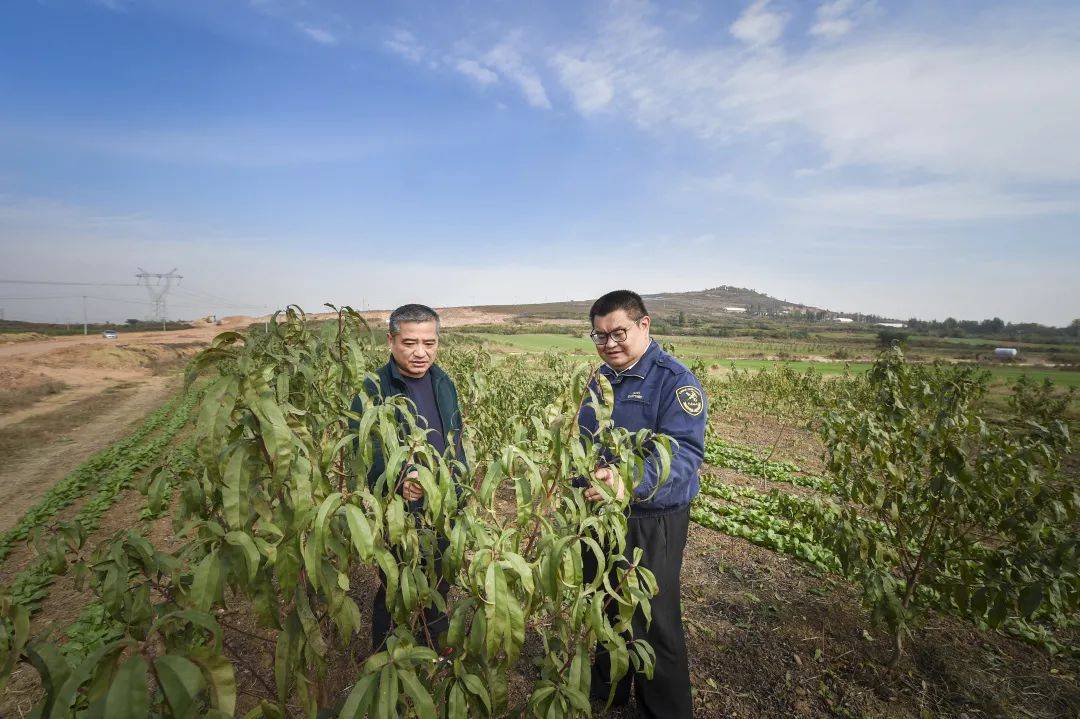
column 109, row 385
column 24, row 480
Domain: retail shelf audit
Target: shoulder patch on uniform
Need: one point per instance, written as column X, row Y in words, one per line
column 690, row 399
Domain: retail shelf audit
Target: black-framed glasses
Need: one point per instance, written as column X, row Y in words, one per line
column 601, row 338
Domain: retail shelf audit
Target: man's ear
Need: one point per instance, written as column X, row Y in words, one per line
column 389, row 339
column 644, row 322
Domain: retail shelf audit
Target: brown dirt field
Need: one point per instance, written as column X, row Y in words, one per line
column 21, row 388
column 41, row 450
column 87, row 365
column 793, row 444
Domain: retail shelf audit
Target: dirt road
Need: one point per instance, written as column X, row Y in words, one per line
column 69, row 397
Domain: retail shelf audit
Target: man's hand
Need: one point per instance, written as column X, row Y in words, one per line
column 411, row 490
column 611, row 478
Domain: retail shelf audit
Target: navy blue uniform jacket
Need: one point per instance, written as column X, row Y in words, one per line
column 662, row 394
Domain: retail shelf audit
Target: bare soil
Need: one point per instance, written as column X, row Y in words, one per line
column 20, row 388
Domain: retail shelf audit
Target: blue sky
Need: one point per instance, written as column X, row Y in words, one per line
column 901, row 158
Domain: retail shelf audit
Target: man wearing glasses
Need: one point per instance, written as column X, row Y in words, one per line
column 652, row 391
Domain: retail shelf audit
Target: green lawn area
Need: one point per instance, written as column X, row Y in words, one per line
column 1004, row 376
column 984, row 342
column 538, row 342
column 711, row 350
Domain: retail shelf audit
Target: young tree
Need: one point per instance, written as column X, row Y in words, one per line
column 942, row 505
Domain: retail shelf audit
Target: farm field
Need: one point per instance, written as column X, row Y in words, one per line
column 773, row 627
column 727, row 352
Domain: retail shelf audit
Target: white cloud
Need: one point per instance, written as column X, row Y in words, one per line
column 506, row 58
column 758, row 25
column 837, row 18
column 921, row 105
column 474, row 70
column 405, row 44
column 934, row 202
column 319, row 35
column 589, row 82
column 981, row 113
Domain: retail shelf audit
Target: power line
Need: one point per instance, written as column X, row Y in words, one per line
column 78, row 284
column 192, row 294
column 206, row 296
column 121, row 300
column 55, row 297
column 159, row 290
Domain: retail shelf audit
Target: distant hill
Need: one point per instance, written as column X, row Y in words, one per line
column 718, row 301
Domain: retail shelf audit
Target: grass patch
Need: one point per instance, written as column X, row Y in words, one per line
column 11, row 400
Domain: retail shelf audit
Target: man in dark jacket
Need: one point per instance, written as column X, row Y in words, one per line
column 413, row 338
column 652, row 390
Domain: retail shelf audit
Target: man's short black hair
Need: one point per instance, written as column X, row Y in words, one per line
column 412, row 313
column 617, row 300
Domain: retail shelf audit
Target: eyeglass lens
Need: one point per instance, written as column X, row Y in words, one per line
column 601, row 338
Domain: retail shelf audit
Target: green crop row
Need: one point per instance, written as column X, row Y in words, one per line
column 94, row 627
column 158, row 486
column 720, row 453
column 30, row 586
column 760, row 519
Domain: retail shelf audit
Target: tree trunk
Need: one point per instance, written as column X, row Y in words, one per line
column 898, row 648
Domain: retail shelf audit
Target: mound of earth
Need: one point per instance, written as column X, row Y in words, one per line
column 9, row 337
column 101, row 357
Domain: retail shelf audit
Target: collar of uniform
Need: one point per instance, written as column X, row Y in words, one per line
column 641, row 367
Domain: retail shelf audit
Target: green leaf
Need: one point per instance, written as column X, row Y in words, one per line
column 522, row 568
column 128, row 696
column 360, row 530
column 250, row 551
column 207, row 582
column 51, row 666
column 395, row 519
column 326, row 510
column 457, row 706
column 388, row 693
column 181, row 683
column 219, row 676
column 359, row 700
column 1030, row 598
column 421, row 699
column 92, row 666
column 235, row 488
column 476, row 687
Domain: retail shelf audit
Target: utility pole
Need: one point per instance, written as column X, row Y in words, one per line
column 159, row 289
column 84, row 315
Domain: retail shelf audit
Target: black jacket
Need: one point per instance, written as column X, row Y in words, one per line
column 391, row 384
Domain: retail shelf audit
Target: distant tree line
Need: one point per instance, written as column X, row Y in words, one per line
column 996, row 328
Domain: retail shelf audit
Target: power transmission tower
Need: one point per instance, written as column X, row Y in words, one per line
column 158, row 289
